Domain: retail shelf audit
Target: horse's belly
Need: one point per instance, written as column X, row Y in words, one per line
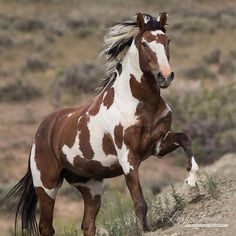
column 106, row 160
column 97, row 168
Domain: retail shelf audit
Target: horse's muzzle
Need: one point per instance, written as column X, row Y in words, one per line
column 164, row 82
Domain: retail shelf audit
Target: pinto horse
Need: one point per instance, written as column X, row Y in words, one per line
column 126, row 123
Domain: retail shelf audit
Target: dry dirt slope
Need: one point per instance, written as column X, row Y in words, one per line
column 217, row 206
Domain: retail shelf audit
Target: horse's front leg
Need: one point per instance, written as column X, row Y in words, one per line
column 133, row 183
column 171, row 142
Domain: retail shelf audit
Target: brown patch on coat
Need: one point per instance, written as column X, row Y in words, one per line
column 147, row 58
column 159, row 38
column 95, row 170
column 109, row 98
column 95, row 106
column 84, row 138
column 108, row 145
column 149, row 37
column 46, row 150
column 151, row 126
column 118, row 133
column 144, row 91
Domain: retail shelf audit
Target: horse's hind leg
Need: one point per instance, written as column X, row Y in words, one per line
column 46, row 205
column 91, row 192
column 46, row 179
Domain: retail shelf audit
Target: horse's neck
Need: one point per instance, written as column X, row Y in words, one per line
column 131, row 71
column 129, row 66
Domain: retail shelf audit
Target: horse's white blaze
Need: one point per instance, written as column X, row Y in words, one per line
column 37, row 176
column 159, row 50
column 193, row 174
column 95, row 187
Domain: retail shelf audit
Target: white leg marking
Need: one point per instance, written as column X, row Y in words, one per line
column 36, row 175
column 95, row 187
column 193, row 174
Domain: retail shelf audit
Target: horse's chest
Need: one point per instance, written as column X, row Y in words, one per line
column 138, row 138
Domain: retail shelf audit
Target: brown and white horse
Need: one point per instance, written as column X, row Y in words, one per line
column 124, row 125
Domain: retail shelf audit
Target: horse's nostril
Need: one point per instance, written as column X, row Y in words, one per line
column 171, row 76
column 160, row 76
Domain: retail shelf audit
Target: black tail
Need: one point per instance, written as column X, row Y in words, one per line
column 24, row 199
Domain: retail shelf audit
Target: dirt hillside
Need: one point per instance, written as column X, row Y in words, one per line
column 215, row 205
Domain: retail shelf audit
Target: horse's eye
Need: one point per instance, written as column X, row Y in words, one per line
column 144, row 44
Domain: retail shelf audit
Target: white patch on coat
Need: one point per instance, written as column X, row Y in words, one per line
column 162, row 115
column 146, row 19
column 158, row 147
column 72, row 152
column 156, row 32
column 37, row 176
column 166, row 135
column 95, row 187
column 123, row 160
column 69, row 115
column 122, row 111
column 193, row 174
column 168, row 107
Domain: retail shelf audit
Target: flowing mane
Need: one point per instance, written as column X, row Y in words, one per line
column 117, row 40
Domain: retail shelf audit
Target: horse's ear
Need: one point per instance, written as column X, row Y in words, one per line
column 163, row 19
column 140, row 21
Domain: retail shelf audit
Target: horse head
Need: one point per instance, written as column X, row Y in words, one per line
column 153, row 47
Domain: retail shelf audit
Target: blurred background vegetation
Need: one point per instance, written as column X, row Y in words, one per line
column 49, row 60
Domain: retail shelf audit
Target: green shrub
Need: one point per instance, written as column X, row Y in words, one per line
column 117, row 215
column 77, row 79
column 227, row 21
column 227, row 67
column 199, row 72
column 36, row 64
column 5, row 41
column 213, row 57
column 18, row 91
column 211, row 186
column 192, row 24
